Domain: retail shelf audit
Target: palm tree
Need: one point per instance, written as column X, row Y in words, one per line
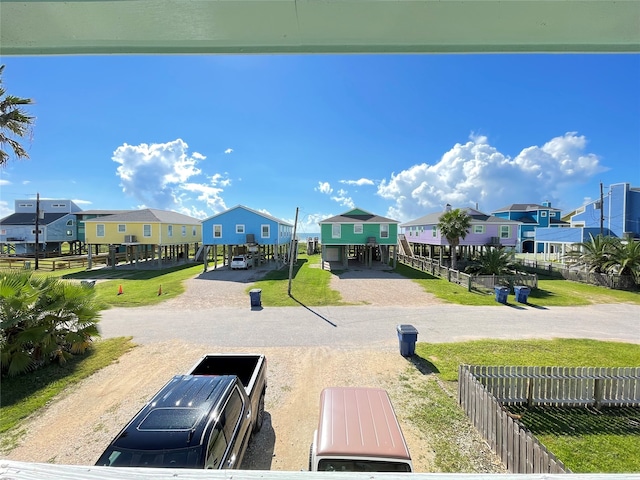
column 14, row 122
column 42, row 320
column 454, row 225
column 593, row 254
column 625, row 261
column 493, row 261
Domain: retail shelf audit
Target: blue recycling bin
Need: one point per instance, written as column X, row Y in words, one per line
column 522, row 293
column 407, row 337
column 501, row 293
column 255, row 294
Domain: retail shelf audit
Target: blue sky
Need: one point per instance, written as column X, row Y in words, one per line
column 397, row 135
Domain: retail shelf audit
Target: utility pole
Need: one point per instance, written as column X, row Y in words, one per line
column 601, row 211
column 37, row 227
column 293, row 242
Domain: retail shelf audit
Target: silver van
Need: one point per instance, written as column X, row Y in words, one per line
column 358, row 432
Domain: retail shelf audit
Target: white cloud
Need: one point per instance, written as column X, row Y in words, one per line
column 343, row 199
column 362, row 181
column 476, row 172
column 158, row 176
column 5, row 210
column 228, row 150
column 4, row 182
column 324, row 187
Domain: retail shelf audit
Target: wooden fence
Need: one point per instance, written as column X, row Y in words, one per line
column 470, row 282
column 561, row 270
column 561, row 386
column 58, row 263
column 482, row 392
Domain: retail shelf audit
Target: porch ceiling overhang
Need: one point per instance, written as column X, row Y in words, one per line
column 316, row 26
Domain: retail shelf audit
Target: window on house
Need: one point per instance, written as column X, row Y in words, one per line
column 26, row 205
column 217, row 231
column 69, row 223
column 543, row 213
column 266, row 231
column 170, row 230
column 146, row 230
column 193, row 231
column 384, row 230
column 336, row 230
column 505, row 231
column 434, row 231
column 69, row 233
column 184, row 230
column 357, row 228
column 478, row 229
column 239, row 228
column 100, row 230
column 33, row 232
column 122, row 228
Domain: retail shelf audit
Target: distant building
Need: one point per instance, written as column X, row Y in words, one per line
column 616, row 215
column 531, row 217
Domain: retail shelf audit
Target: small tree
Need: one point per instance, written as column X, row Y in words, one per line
column 493, row 261
column 593, row 254
column 454, row 225
column 624, row 259
column 14, row 122
column 43, row 319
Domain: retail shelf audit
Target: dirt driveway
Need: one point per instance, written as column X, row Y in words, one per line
column 76, row 428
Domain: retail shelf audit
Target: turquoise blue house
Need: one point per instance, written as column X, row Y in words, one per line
column 531, row 217
column 243, row 231
column 616, row 215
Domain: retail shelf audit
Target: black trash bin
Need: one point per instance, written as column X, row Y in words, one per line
column 407, row 337
column 255, row 294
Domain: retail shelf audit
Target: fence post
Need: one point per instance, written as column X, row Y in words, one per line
column 469, row 284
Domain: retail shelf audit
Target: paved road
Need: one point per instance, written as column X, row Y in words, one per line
column 368, row 325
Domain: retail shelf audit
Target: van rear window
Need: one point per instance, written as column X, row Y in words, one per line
column 362, row 466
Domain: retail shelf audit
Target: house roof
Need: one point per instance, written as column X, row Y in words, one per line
column 357, row 215
column 524, row 207
column 30, row 218
column 476, row 218
column 100, row 212
column 262, row 214
column 147, row 215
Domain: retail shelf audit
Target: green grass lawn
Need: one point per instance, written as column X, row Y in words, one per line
column 586, row 442
column 24, row 395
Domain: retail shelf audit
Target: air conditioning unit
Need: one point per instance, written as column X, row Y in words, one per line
column 130, row 239
column 495, row 240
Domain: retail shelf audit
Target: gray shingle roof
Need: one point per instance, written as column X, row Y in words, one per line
column 150, row 215
column 476, row 218
column 30, row 218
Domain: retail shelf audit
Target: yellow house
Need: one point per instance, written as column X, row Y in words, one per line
column 147, row 234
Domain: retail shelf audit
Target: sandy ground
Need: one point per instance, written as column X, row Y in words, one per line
column 76, row 428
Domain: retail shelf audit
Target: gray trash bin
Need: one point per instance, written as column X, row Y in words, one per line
column 255, row 294
column 407, row 337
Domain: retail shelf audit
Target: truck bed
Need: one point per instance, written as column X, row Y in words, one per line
column 243, row 366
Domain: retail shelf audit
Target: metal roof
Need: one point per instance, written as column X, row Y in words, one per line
column 362, row 216
column 262, row 214
column 30, row 218
column 476, row 218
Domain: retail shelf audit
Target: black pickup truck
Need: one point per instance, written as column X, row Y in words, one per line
column 203, row 419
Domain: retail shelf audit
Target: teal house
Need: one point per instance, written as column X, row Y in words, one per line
column 358, row 236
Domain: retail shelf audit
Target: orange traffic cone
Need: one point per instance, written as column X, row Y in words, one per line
column 160, row 290
column 120, row 290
